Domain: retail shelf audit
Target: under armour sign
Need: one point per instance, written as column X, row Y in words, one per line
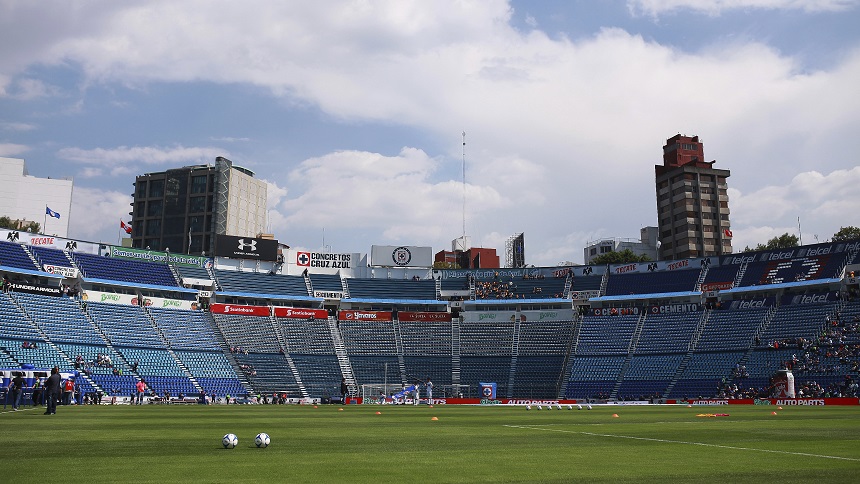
column 246, row 248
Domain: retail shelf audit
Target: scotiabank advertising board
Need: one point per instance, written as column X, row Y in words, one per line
column 424, row 316
column 301, row 313
column 219, row 308
column 364, row 315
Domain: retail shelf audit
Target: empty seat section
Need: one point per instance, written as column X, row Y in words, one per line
column 538, row 376
column 731, row 329
column 484, row 338
column 186, row 329
column 261, row 283
column 437, row 368
column 368, row 337
column 484, row 369
column 249, row 333
column 326, row 282
column 50, row 256
column 60, row 318
column 14, row 323
column 541, row 338
column 704, row 373
column 308, row 337
column 153, row 273
column 603, row 335
column 391, row 289
column 320, row 374
column 372, row 370
column 269, row 373
column 13, row 255
column 668, row 333
column 125, row 325
column 593, row 376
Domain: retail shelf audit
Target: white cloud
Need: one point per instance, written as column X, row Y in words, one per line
column 562, row 134
column 823, row 202
column 12, row 149
column 715, row 7
column 16, row 126
column 126, row 160
column 96, row 212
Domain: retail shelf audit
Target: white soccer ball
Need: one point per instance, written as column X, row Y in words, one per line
column 528, row 407
column 262, row 440
column 540, row 407
column 230, row 441
column 588, row 407
column 558, row 407
column 579, row 407
column 569, row 407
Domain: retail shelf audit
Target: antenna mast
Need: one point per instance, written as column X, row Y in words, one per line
column 464, row 185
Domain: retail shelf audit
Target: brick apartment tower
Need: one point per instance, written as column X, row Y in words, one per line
column 692, row 203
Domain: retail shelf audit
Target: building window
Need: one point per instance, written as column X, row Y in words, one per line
column 153, row 228
column 154, row 208
column 198, row 184
column 198, row 204
column 605, row 248
column 156, row 188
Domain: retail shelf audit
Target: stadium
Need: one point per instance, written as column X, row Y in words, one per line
column 647, row 351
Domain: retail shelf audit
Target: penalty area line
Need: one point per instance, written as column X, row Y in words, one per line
column 702, row 444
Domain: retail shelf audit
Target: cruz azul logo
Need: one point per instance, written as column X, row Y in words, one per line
column 244, row 245
column 303, row 259
column 401, row 256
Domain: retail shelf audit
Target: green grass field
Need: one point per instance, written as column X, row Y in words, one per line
column 403, row 444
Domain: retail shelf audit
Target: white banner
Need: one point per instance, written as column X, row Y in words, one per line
column 401, row 256
column 110, row 297
column 584, row 295
column 328, row 294
column 67, row 272
column 299, row 261
column 489, row 316
column 39, row 240
column 547, row 315
column 165, row 303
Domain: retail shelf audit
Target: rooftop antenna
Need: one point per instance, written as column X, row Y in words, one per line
column 464, row 185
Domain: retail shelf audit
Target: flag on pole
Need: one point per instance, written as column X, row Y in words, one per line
column 727, row 232
column 125, row 227
column 51, row 213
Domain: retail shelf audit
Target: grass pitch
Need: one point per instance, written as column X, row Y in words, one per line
column 466, row 444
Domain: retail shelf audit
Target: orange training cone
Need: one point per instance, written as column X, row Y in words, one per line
column 340, row 410
column 614, row 415
column 435, row 418
column 779, row 408
column 379, row 413
column 773, row 413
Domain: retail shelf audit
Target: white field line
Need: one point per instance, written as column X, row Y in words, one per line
column 703, row 444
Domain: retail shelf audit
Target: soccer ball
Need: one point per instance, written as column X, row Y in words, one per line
column 569, row 407
column 558, row 407
column 230, row 441
column 588, row 407
column 528, row 407
column 262, row 440
column 540, row 407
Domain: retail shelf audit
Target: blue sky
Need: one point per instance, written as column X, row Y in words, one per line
column 353, row 111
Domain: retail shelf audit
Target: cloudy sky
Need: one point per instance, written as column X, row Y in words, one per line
column 353, row 111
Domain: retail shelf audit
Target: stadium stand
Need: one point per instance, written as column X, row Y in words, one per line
column 775, row 309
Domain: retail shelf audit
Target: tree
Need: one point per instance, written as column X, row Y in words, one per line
column 847, row 233
column 784, row 241
column 626, row 256
column 8, row 223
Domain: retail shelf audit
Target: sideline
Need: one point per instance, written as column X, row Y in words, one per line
column 703, row 444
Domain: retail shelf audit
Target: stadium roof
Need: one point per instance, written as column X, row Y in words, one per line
column 29, row 272
column 137, row 285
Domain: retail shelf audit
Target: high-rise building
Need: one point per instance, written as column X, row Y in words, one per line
column 692, row 203
column 182, row 210
column 26, row 198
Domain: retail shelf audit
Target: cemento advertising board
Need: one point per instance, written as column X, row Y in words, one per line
column 547, row 315
column 489, row 316
column 401, row 256
column 219, row 308
column 300, row 313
